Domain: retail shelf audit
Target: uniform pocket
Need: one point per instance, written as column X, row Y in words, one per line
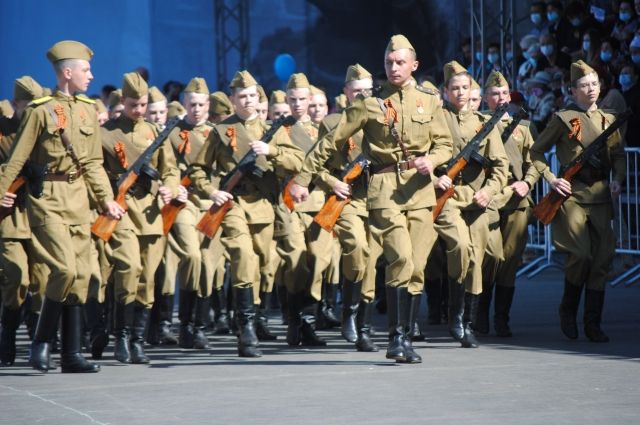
column 420, row 125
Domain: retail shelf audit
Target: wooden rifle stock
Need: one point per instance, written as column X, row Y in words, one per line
column 104, row 226
column 548, row 207
column 443, row 195
column 212, row 219
column 13, row 188
column 170, row 211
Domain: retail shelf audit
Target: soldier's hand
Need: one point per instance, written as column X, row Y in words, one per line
column 298, row 193
column 259, row 147
column 183, row 194
column 615, row 188
column 481, row 198
column 561, row 186
column 423, row 165
column 342, row 189
column 8, row 200
column 165, row 194
column 520, row 188
column 219, row 197
column 443, row 182
column 114, row 210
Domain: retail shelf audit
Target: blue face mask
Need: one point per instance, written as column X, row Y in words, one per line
column 635, row 59
column 546, row 49
column 625, row 80
column 625, row 16
column 536, row 18
column 526, row 55
column 553, row 16
column 509, row 56
column 606, row 56
column 586, row 45
column 478, row 56
column 493, row 58
column 575, row 22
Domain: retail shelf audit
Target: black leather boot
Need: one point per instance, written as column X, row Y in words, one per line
column 31, row 320
column 96, row 323
column 456, row 309
column 185, row 314
column 284, row 303
column 569, row 310
column 165, row 320
column 40, row 357
column 415, row 334
column 221, row 313
column 293, row 321
column 71, row 359
column 262, row 321
column 308, row 336
column 350, row 302
column 140, row 319
column 504, row 298
column 326, row 318
column 245, row 317
column 122, row 322
column 10, row 324
column 593, row 305
column 481, row 325
column 433, row 288
column 397, row 300
column 363, row 321
column 200, row 340
column 470, row 314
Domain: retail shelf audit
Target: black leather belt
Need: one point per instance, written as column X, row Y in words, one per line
column 395, row 167
column 69, row 177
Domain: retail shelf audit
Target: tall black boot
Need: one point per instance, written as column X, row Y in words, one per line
column 96, row 323
column 569, row 309
column 71, row 359
column 283, row 300
column 593, row 305
column 10, row 324
column 456, row 309
column 397, row 300
column 294, row 304
column 165, row 319
column 308, row 336
column 262, row 321
column 481, row 325
column 470, row 314
column 415, row 334
column 185, row 314
column 326, row 318
column 245, row 317
column 31, row 321
column 200, row 340
column 363, row 321
column 433, row 288
column 122, row 322
column 350, row 302
column 140, row 319
column 221, row 313
column 504, row 298
column 46, row 329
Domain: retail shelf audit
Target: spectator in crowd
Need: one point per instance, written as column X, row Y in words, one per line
column 580, row 21
column 558, row 60
column 590, row 48
column 609, row 58
column 611, row 98
column 105, row 91
column 626, row 24
column 628, row 81
column 634, row 52
column 534, row 60
column 465, row 52
column 541, row 100
column 538, row 16
column 172, row 90
column 558, row 24
column 493, row 58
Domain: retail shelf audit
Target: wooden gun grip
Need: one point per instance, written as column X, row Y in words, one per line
column 170, row 211
column 212, row 219
column 441, row 199
column 548, row 207
column 330, row 212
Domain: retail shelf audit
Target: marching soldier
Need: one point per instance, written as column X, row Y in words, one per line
column 138, row 242
column 157, row 109
column 248, row 225
column 582, row 226
column 404, row 136
column 59, row 142
column 278, row 105
column 220, row 107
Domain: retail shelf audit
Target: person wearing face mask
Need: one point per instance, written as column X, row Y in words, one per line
column 581, row 22
column 559, row 26
column 628, row 80
column 634, row 52
column 590, row 47
column 535, row 62
column 558, row 60
column 609, row 58
column 538, row 16
column 541, row 101
column 626, row 23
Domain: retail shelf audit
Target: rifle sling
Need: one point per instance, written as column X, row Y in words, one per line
column 68, row 146
column 394, row 132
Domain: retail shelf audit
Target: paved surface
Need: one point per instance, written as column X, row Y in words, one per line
column 536, row 377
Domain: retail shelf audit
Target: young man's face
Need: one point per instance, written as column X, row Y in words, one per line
column 135, row 109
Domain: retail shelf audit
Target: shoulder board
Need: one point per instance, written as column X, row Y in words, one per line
column 86, row 100
column 427, row 90
column 40, row 101
column 210, row 124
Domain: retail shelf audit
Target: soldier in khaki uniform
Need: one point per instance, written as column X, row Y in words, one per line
column 352, row 229
column 114, row 104
column 157, row 108
column 16, row 247
column 582, row 226
column 514, row 205
column 263, row 104
column 138, row 242
column 278, row 105
column 220, row 107
column 464, row 221
column 400, row 195
column 248, row 225
column 57, row 202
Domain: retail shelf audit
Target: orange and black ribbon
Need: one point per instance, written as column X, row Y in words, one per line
column 185, row 145
column 576, row 129
column 231, row 133
column 62, row 119
column 122, row 157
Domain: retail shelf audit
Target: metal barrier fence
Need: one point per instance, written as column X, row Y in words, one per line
column 626, row 225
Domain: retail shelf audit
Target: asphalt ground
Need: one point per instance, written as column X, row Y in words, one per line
column 535, row 377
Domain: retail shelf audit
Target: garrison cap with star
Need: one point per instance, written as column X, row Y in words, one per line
column 278, row 96
column 114, row 98
column 197, row 85
column 155, row 95
column 453, row 68
column 220, row 104
column 398, row 42
column 356, row 72
column 134, row 86
column 496, row 79
column 474, row 85
column 316, row 91
column 69, row 49
column 298, row 81
column 26, row 88
column 262, row 96
column 242, row 80
column 175, row 109
column 579, row 69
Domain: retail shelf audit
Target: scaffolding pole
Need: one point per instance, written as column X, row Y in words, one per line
column 232, row 38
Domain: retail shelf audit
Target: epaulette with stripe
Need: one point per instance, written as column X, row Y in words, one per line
column 427, row 90
column 40, row 101
column 85, row 99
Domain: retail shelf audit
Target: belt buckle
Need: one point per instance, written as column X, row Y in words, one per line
column 72, row 176
column 399, row 169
